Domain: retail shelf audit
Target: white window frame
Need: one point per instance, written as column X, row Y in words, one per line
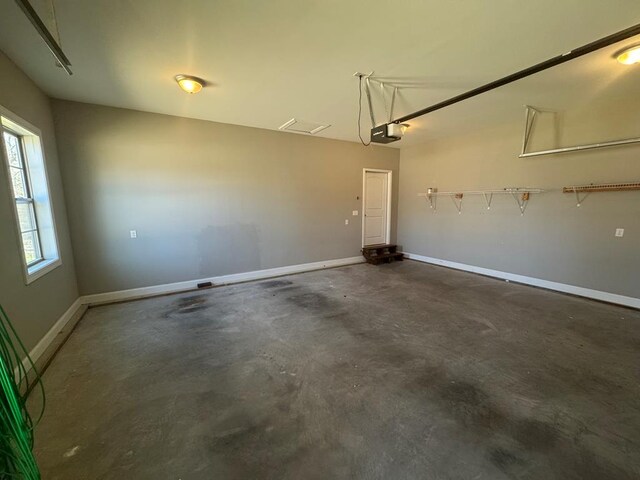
column 35, row 165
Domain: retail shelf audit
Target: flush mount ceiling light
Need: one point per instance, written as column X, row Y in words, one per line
column 629, row 55
column 190, row 84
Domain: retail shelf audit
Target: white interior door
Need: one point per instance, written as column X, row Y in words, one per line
column 376, row 201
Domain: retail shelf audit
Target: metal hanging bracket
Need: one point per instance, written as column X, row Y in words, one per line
column 530, row 116
column 432, row 198
column 393, row 102
column 457, row 201
column 487, row 198
column 522, row 199
column 367, row 89
column 529, row 119
column 578, row 199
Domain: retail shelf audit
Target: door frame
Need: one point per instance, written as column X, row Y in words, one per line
column 364, row 200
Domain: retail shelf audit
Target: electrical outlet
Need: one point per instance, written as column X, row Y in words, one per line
column 133, row 233
column 619, row 232
column 354, row 213
column 346, row 222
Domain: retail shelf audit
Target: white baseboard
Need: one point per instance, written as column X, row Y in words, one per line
column 537, row 282
column 49, row 338
column 216, row 281
column 78, row 307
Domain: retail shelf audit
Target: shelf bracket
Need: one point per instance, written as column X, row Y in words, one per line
column 487, row 198
column 522, row 200
column 578, row 199
column 432, row 198
column 457, row 201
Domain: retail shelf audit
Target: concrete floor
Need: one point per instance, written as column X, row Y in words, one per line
column 401, row 371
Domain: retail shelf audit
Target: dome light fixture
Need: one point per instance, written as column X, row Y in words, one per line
column 190, row 84
column 629, row 55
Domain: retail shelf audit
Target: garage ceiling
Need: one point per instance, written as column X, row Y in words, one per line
column 270, row 61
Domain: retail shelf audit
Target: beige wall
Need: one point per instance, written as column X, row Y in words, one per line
column 206, row 199
column 554, row 240
column 36, row 307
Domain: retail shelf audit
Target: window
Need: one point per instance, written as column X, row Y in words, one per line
column 24, row 201
column 29, row 191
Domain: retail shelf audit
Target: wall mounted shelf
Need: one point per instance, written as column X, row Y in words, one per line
column 602, row 187
column 521, row 195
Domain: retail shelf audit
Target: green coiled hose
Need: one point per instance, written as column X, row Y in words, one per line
column 16, row 425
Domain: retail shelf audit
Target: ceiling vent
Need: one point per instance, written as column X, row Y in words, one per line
column 300, row 126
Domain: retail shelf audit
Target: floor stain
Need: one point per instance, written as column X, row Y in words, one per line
column 186, row 305
column 311, row 301
column 275, row 283
column 504, row 458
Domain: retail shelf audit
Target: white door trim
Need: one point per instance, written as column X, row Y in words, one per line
column 364, row 199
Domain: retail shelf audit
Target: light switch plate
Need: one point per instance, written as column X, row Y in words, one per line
column 355, row 213
column 133, row 233
column 619, row 232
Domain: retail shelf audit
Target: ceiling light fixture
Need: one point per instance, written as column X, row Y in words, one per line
column 629, row 55
column 190, row 84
